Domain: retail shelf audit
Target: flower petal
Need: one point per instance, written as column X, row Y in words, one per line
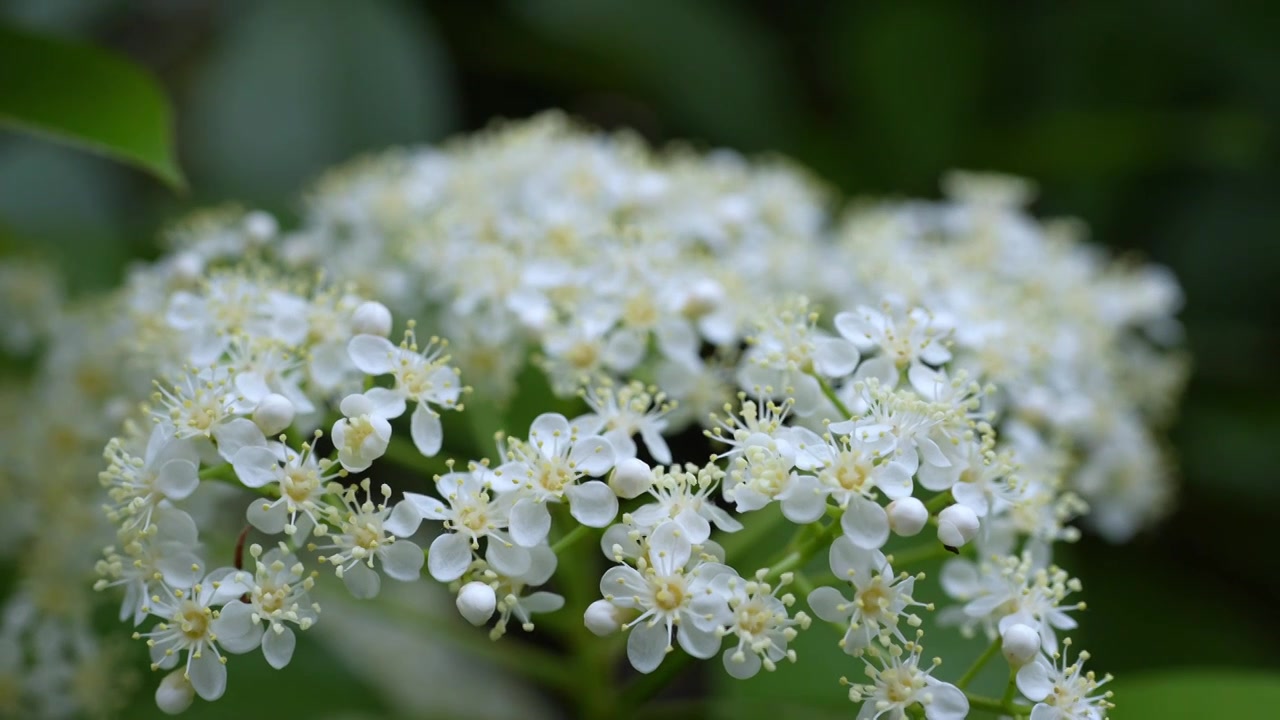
column 866, row 523
column 401, row 560
column 647, row 646
column 592, row 503
column 207, row 675
column 361, row 581
column 550, row 434
column 256, row 466
column 277, row 646
column 592, row 456
column 830, row 605
column 530, row 522
column 373, row 355
column 449, row 556
column 428, row 435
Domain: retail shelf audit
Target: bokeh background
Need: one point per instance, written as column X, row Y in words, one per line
column 1157, row 123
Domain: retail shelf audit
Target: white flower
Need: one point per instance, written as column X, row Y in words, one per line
column 366, row 532
column 957, row 525
column 630, row 478
column 1063, row 692
column 476, row 602
column 760, row 623
column 200, row 402
column 1012, row 590
column 786, row 349
column 190, row 624
column 668, row 596
column 278, row 593
column 169, row 469
column 547, row 469
column 301, row 479
column 764, row 471
column 902, row 339
column 422, row 377
column 899, row 683
column 514, row 600
column 167, row 554
column 621, row 414
column 880, row 598
column 363, row 435
column 1020, row 644
column 850, row 469
column 684, row 497
column 473, row 512
column 175, row 694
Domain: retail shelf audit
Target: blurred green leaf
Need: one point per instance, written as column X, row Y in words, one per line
column 1197, row 694
column 291, row 88
column 86, row 97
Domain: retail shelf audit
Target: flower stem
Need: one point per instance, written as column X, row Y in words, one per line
column 831, row 395
column 978, row 664
column 569, row 538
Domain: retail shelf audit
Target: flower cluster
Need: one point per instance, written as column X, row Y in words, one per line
column 915, row 381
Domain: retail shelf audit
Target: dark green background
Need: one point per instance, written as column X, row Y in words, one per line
column 1156, row 122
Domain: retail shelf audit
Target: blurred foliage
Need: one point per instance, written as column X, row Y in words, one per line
column 81, row 95
column 1154, row 122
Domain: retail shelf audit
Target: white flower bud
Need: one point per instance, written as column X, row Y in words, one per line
column 601, row 618
column 371, row 318
column 273, row 414
column 476, row 602
column 631, row 478
column 907, row 516
column 1020, row 644
column 175, row 693
column 260, row 226
column 187, row 266
column 957, row 525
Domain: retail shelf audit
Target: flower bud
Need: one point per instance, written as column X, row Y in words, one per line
column 476, row 602
column 175, row 693
column 601, row 618
column 957, row 525
column 273, row 414
column 371, row 318
column 187, row 266
column 631, row 478
column 260, row 226
column 907, row 516
column 1020, row 644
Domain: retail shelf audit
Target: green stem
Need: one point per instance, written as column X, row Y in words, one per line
column 978, row 664
column 992, row 705
column 1011, row 688
column 569, row 538
column 938, row 502
column 831, row 395
column 918, row 554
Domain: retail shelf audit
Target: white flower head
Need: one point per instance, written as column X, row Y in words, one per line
column 621, row 413
column 684, row 496
column 366, row 532
column 881, row 599
column 548, row 468
column 278, row 593
column 189, row 623
column 1062, row 691
column 898, row 682
column 761, row 623
column 363, row 435
column 471, row 512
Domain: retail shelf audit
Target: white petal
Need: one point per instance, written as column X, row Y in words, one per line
column 948, row 702
column 894, row 480
column 701, row 644
column 256, row 466
column 655, row 444
column 235, row 434
column 277, row 647
column 803, row 502
column 866, row 523
column 647, row 646
column 428, row 435
column 449, row 556
column 385, row 402
column 1034, row 679
column 549, row 433
column 269, row 517
column 401, row 560
column 746, row 668
column 960, row 578
column 695, row 527
column 177, row 479
column 834, row 357
column 592, row 456
column 542, row 565
column 236, row 630
column 530, row 522
column 669, row 549
column 542, row 602
column 830, row 605
column 428, row 507
column 850, row 562
column 361, row 581
column 513, row 561
column 373, row 355
column 207, row 675
column 592, row 503
column 1048, row 712
column 404, row 519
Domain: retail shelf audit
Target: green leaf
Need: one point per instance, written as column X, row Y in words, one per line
column 86, row 97
column 1216, row 693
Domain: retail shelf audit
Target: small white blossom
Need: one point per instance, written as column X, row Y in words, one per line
column 365, row 532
